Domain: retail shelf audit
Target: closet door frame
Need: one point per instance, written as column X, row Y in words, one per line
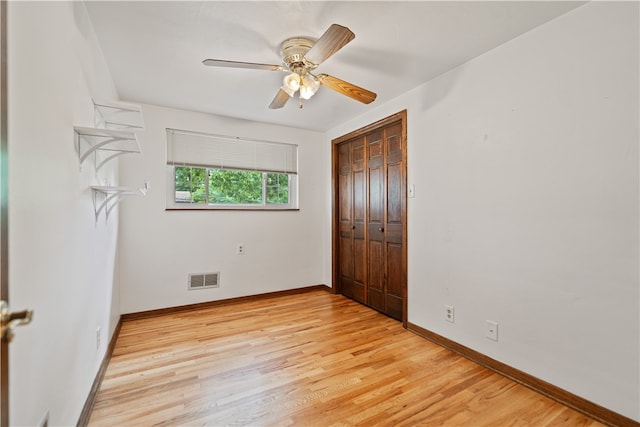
column 335, row 216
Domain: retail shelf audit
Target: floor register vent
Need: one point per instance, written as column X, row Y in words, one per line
column 204, row 281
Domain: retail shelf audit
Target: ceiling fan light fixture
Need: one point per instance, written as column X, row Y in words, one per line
column 288, row 90
column 292, row 83
column 309, row 86
column 306, row 92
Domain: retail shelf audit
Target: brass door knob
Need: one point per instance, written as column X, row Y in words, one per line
column 10, row 320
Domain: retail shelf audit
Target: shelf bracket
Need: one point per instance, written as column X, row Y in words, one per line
column 109, row 115
column 104, row 144
column 106, row 198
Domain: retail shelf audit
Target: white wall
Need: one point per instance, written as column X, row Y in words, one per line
column 159, row 248
column 525, row 164
column 61, row 264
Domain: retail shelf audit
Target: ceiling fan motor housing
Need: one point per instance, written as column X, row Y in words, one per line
column 293, row 51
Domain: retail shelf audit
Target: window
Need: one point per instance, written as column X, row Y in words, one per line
column 218, row 172
column 230, row 187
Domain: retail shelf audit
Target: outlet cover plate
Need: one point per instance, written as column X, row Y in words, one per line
column 491, row 330
column 449, row 313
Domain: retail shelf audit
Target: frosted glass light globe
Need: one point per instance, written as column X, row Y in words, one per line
column 291, row 82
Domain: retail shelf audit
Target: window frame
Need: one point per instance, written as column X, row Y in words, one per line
column 172, row 204
column 187, row 148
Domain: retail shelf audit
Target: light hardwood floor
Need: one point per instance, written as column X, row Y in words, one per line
column 312, row 359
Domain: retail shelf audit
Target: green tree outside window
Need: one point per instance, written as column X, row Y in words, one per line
column 277, row 188
column 230, row 187
column 191, row 185
column 235, row 187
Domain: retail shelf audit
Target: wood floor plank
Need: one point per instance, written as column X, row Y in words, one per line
column 313, row 359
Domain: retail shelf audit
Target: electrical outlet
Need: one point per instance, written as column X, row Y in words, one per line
column 449, row 313
column 98, row 338
column 240, row 248
column 491, row 330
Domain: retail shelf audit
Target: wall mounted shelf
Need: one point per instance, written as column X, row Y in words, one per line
column 105, row 198
column 114, row 134
column 109, row 115
column 105, row 144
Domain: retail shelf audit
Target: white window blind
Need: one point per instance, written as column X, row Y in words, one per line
column 186, row 148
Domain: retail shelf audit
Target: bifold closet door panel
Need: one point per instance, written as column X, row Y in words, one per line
column 345, row 244
column 371, row 204
column 359, row 235
column 395, row 214
column 375, row 220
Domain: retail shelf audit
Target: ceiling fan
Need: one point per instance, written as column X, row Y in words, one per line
column 300, row 56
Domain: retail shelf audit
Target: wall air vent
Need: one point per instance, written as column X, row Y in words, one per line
column 204, row 281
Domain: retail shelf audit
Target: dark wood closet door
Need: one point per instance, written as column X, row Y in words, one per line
column 370, row 206
column 376, row 221
column 345, row 220
column 352, row 213
column 394, row 227
column 359, row 235
column 385, row 163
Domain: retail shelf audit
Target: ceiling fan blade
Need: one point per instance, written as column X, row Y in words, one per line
column 329, row 43
column 352, row 91
column 279, row 100
column 238, row 64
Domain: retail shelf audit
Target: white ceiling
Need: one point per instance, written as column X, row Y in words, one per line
column 155, row 49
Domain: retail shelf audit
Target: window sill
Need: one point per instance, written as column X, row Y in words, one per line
column 235, row 208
